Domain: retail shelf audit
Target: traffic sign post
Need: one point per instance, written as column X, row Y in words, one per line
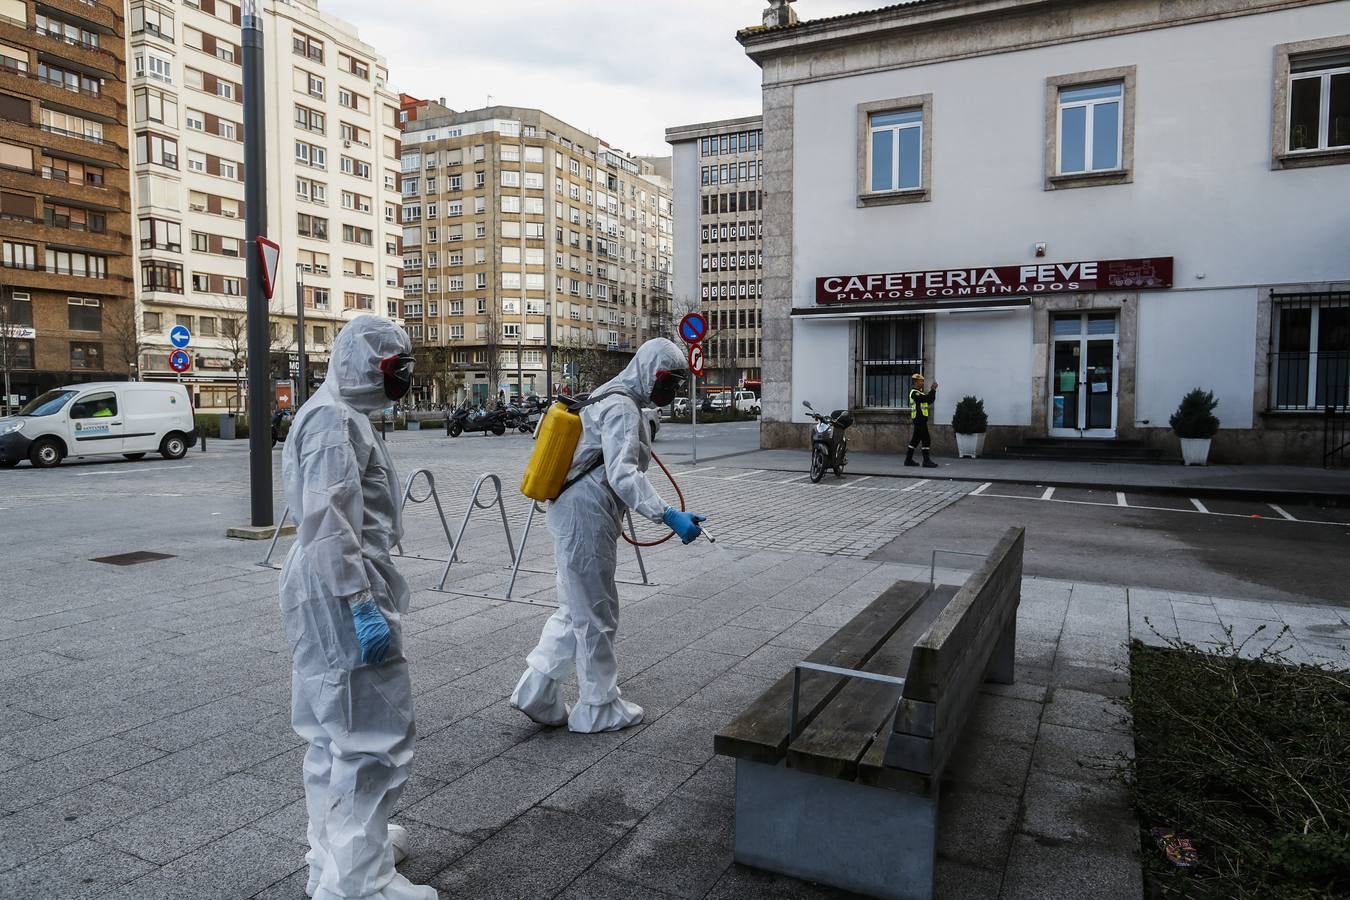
column 693, row 329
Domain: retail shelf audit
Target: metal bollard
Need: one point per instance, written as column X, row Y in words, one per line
column 203, row 437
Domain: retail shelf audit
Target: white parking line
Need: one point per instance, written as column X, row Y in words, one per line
column 1281, row 511
column 1120, row 499
column 981, row 489
column 793, row 480
column 123, row 471
column 857, row 481
column 696, row 471
column 1199, row 507
column 745, row 474
column 920, row 483
column 1049, row 493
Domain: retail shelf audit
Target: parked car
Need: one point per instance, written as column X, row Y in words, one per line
column 102, row 418
column 681, row 406
column 741, row 401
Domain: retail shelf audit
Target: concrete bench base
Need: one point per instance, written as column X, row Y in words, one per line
column 848, row 835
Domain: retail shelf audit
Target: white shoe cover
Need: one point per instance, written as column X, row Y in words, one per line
column 612, row 716
column 398, row 888
column 398, row 839
column 536, row 695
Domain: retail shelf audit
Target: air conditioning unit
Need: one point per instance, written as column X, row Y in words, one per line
column 347, row 144
column 229, row 214
column 196, row 207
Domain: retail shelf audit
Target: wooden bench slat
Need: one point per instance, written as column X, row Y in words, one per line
column 760, row 733
column 839, row 736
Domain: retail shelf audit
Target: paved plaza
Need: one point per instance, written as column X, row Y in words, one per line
column 144, row 726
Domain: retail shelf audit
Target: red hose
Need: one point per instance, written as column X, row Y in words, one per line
column 679, row 493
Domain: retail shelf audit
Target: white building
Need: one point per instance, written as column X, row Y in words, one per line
column 332, row 183
column 1077, row 212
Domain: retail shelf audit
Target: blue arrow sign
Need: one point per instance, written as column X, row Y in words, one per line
column 179, row 336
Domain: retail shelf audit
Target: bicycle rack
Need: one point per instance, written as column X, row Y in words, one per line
column 476, row 503
column 272, row 544
column 525, row 536
column 431, row 494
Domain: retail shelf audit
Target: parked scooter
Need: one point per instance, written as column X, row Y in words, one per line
column 518, row 419
column 470, row 419
column 829, row 442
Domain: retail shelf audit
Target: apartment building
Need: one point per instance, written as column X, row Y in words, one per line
column 718, row 171
column 65, row 288
column 523, row 234
column 332, row 185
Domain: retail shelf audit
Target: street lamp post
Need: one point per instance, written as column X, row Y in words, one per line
column 548, row 351
column 255, row 226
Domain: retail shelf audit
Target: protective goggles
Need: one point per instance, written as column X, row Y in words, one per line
column 399, row 366
column 671, row 381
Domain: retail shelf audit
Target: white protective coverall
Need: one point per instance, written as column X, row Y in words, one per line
column 358, row 719
column 586, row 522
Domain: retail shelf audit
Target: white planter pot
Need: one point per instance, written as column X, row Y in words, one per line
column 969, row 446
column 1195, row 451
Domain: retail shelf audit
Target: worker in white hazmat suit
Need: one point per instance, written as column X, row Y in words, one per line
column 341, row 600
column 608, row 474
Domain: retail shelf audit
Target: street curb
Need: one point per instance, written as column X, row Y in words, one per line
column 1213, row 492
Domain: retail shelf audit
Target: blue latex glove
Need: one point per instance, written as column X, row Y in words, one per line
column 684, row 524
column 371, row 630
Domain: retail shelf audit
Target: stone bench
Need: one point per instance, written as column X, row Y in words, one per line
column 846, row 793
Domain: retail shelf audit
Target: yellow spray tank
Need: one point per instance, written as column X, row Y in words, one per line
column 554, row 446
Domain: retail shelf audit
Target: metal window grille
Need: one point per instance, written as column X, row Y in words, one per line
column 887, row 351
column 1310, row 351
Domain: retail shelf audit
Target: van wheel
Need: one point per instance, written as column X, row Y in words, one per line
column 133, row 456
column 174, row 446
column 45, row 453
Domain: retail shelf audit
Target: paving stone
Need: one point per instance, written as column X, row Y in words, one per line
column 79, row 871
column 731, row 692
column 537, row 855
column 961, row 881
column 1080, row 753
column 176, row 774
column 976, row 826
column 744, row 883
column 487, row 798
column 207, row 721
column 734, row 640
column 1080, row 709
column 599, row 886
column 802, row 636
column 292, row 887
column 684, row 735
column 1106, row 681
column 682, row 848
column 621, row 788
column 1054, row 869
column 33, row 783
column 1003, row 719
column 240, row 864
column 449, row 753
column 91, row 724
column 1092, row 812
column 48, row 826
column 181, row 826
column 559, row 748
column 714, row 783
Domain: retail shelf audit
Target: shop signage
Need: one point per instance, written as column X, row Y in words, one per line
column 1151, row 273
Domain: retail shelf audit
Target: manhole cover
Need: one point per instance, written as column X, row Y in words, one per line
column 131, row 559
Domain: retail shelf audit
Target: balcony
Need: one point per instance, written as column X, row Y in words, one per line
column 97, row 16
column 54, row 93
column 42, row 278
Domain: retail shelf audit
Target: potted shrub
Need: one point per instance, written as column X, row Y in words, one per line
column 970, row 423
column 1195, row 424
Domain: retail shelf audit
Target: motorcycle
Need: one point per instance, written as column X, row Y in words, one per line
column 829, row 442
column 519, row 419
column 469, row 419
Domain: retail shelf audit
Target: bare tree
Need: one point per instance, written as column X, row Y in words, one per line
column 234, row 337
column 492, row 346
column 123, row 333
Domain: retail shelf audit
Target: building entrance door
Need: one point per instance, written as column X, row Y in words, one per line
column 1084, row 374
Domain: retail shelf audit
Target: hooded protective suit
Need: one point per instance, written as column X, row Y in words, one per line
column 358, row 719
column 586, row 522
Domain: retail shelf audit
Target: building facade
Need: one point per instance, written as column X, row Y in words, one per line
column 719, row 179
column 1076, row 213
column 332, row 185
column 524, row 239
column 66, row 311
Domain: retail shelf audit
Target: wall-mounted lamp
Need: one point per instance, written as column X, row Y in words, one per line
column 1040, row 249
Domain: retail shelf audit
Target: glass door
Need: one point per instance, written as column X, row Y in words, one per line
column 1082, row 391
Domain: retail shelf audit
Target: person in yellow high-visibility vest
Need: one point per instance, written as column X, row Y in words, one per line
column 920, row 407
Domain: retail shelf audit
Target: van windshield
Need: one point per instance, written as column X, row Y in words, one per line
column 49, row 403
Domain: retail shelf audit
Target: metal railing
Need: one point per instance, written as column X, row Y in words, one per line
column 1335, row 436
column 1309, row 381
column 476, row 503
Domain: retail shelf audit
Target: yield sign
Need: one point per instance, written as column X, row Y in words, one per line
column 696, row 360
column 269, row 254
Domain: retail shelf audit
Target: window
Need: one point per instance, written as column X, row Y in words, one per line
column 354, row 235
column 1310, row 341
column 896, row 165
column 195, row 120
column 159, row 234
column 206, row 326
column 151, row 65
column 511, row 331
column 225, row 89
column 81, row 265
column 1091, row 137
column 156, row 149
column 309, row 119
column 888, row 351
column 162, row 276
column 150, row 18
column 156, row 106
column 196, row 162
column 152, row 322
column 509, row 178
column 84, row 314
column 306, row 46
column 315, row 86
column 20, row 256
column 456, row 332
column 1312, row 91
column 94, row 405
column 312, row 226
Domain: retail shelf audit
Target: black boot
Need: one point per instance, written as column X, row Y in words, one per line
column 909, row 457
column 928, row 460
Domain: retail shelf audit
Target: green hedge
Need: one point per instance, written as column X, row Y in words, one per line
column 209, row 424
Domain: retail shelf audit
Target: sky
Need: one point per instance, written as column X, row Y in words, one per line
column 624, row 70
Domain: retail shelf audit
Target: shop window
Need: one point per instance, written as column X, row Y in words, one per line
column 1312, row 95
column 896, row 140
column 887, row 351
column 1310, row 351
column 84, row 355
column 1090, row 128
column 84, row 314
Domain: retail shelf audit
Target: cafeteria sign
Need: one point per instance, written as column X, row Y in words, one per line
column 999, row 281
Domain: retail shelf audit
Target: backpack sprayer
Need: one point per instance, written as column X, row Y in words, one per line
column 555, row 444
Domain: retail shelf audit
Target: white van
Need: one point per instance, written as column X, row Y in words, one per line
column 742, row 401
column 104, row 418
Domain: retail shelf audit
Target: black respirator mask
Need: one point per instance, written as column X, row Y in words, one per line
column 668, row 386
column 398, row 375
